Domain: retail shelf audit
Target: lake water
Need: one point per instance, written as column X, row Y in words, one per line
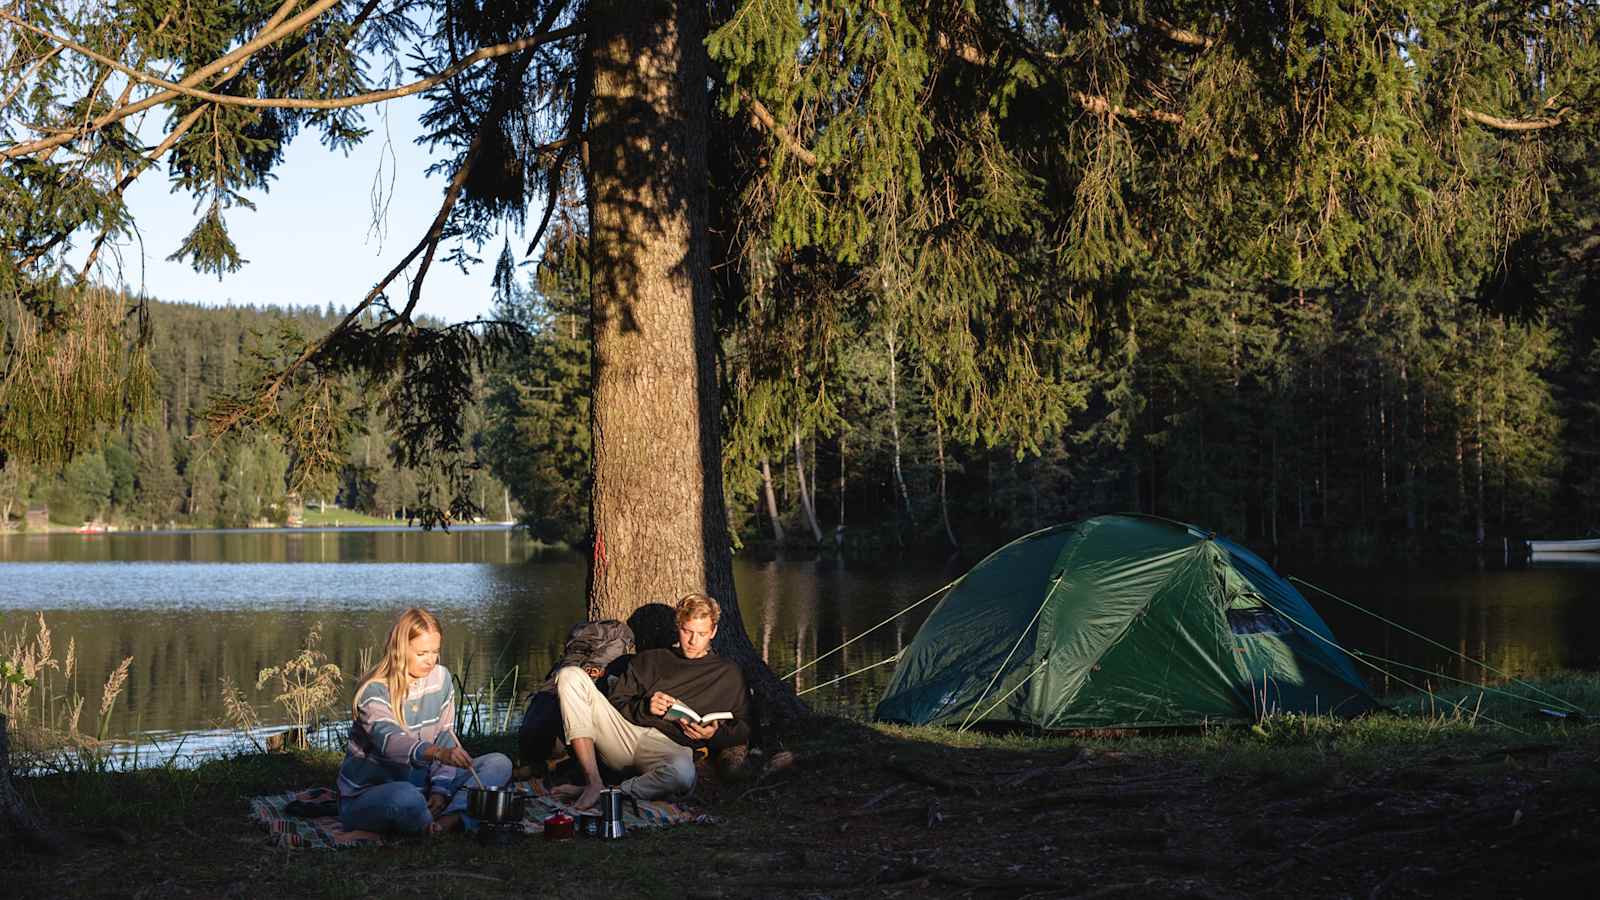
column 194, row 607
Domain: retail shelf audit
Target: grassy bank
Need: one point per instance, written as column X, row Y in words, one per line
column 1461, row 795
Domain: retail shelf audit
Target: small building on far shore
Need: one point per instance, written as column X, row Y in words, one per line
column 37, row 518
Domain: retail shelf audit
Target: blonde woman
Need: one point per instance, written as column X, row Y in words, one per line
column 404, row 768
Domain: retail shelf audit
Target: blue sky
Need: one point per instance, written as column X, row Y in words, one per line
column 311, row 238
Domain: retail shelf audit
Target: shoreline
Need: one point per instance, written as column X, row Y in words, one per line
column 252, row 529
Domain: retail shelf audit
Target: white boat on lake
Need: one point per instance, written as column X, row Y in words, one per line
column 1581, row 545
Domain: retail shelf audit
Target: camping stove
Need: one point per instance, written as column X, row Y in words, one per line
column 501, row 834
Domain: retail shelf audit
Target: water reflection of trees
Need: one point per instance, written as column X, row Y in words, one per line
column 188, row 625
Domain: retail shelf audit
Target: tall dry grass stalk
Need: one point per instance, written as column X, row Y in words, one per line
column 108, row 697
column 238, row 712
column 309, row 686
column 46, row 718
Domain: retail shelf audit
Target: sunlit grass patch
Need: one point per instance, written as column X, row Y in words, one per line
column 335, row 516
column 1297, row 748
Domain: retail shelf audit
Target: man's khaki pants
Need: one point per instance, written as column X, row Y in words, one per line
column 666, row 767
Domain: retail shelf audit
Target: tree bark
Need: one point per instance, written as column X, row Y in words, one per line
column 807, row 498
column 660, row 522
column 772, row 505
column 944, row 506
column 894, row 424
column 16, row 820
column 838, row 528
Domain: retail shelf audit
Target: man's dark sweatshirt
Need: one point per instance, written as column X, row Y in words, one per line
column 707, row 685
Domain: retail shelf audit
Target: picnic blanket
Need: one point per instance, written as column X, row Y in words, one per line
column 276, row 812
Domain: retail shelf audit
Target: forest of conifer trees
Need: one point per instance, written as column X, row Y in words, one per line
column 1396, row 416
column 164, row 468
column 1314, row 276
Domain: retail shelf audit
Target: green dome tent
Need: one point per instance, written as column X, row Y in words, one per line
column 1120, row 621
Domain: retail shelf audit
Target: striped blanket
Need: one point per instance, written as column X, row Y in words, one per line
column 326, row 833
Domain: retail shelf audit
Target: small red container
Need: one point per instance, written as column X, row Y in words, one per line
column 558, row 827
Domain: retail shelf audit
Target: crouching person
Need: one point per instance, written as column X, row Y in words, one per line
column 404, row 769
column 602, row 649
column 637, row 728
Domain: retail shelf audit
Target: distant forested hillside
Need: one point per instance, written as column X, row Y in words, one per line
column 162, row 469
column 1391, row 417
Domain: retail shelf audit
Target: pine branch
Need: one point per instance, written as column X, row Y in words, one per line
column 759, row 111
column 1183, row 35
column 436, row 231
column 232, row 416
column 1100, row 105
column 270, row 34
column 1104, row 107
column 178, row 88
column 1536, row 124
column 975, row 55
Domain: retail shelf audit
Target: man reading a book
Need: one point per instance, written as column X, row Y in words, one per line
column 671, row 702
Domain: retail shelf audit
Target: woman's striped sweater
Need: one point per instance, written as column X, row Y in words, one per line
column 381, row 749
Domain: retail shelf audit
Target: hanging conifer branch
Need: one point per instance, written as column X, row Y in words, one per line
column 759, row 111
column 270, row 34
column 177, row 88
column 1182, row 35
column 974, row 55
column 1536, row 124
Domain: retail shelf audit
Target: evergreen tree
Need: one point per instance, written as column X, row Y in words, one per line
column 205, row 490
column 120, row 463
column 15, row 493
column 156, row 484
column 538, row 406
column 974, row 173
column 88, row 483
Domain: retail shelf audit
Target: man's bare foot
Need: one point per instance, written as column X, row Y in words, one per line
column 446, row 822
column 585, row 796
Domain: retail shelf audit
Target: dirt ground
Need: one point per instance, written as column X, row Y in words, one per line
column 855, row 812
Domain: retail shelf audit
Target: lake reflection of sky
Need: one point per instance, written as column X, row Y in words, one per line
column 241, row 586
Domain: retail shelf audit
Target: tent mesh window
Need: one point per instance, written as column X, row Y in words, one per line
column 1257, row 620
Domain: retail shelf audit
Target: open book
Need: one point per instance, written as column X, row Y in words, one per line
column 679, row 711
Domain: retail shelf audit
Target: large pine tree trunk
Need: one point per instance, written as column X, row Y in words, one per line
column 660, row 524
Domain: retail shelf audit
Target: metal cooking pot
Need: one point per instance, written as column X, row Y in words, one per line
column 495, row 805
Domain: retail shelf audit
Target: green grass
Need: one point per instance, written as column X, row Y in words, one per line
column 189, row 823
column 337, row 516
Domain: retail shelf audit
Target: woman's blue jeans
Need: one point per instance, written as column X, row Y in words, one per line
column 402, row 806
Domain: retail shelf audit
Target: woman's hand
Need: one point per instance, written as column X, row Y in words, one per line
column 451, row 756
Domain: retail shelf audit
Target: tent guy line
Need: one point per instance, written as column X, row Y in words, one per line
column 1362, row 658
column 967, row 722
column 1450, row 650
column 869, row 631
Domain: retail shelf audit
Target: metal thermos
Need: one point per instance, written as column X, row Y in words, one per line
column 610, row 803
